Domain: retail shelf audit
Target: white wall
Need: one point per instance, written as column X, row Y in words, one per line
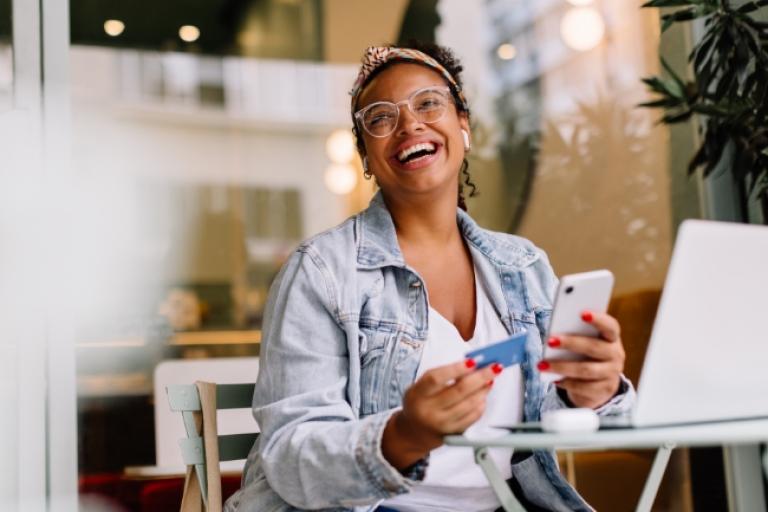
column 116, row 134
column 139, row 145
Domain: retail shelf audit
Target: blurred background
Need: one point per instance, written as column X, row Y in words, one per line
column 163, row 158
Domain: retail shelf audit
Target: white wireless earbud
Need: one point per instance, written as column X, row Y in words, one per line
column 465, row 135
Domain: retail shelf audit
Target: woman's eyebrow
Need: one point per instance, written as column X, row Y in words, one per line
column 389, row 100
column 378, row 100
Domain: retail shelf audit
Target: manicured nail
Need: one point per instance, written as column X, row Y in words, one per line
column 558, row 382
column 553, row 342
column 497, row 368
column 469, row 363
column 490, row 383
column 543, row 366
column 586, row 316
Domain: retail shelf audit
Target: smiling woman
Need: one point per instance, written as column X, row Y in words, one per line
column 363, row 368
column 407, row 158
column 442, row 91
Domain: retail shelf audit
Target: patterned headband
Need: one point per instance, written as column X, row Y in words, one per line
column 375, row 56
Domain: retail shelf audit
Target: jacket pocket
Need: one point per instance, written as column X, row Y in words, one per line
column 534, row 349
column 388, row 366
column 373, row 364
column 528, row 322
column 407, row 357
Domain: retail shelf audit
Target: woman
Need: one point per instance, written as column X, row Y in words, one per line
column 362, row 372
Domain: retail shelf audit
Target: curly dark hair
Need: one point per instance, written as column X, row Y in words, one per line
column 451, row 63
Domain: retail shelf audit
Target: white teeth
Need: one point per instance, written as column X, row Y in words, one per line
column 423, row 146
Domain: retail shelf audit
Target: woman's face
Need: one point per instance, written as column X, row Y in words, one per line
column 434, row 169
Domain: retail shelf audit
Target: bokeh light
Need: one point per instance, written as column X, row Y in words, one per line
column 582, row 28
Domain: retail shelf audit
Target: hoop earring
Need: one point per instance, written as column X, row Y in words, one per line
column 366, row 173
column 465, row 136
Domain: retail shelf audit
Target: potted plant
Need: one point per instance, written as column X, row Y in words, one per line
column 728, row 94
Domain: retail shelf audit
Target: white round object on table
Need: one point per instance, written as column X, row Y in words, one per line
column 570, row 420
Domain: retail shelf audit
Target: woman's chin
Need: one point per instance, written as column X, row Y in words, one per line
column 422, row 184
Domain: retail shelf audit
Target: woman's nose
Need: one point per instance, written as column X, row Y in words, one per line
column 407, row 122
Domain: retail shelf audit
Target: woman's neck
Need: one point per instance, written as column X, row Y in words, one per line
column 424, row 224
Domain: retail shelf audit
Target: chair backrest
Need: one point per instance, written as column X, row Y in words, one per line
column 169, row 427
column 184, row 398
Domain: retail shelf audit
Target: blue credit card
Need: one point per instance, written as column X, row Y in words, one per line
column 506, row 352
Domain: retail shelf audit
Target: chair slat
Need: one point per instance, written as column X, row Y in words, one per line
column 183, row 397
column 234, row 396
column 192, row 450
column 236, row 446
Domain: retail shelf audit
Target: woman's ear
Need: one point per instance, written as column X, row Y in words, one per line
column 464, row 120
column 465, row 133
column 465, row 136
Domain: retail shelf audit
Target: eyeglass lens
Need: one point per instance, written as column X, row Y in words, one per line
column 427, row 105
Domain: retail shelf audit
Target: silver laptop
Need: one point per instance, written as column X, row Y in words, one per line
column 707, row 359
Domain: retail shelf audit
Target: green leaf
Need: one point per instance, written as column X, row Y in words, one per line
column 725, row 87
column 684, row 15
column 757, row 25
column 677, row 118
column 710, row 110
column 699, row 159
column 674, row 3
column 705, row 74
column 679, row 88
column 702, row 50
column 669, row 19
column 666, row 103
column 656, row 84
column 667, row 88
column 751, row 6
column 666, row 3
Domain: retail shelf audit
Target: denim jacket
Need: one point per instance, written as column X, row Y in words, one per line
column 344, row 329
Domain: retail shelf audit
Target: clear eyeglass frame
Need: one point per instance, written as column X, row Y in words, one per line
column 394, row 109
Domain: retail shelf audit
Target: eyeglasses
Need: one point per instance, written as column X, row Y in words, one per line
column 428, row 105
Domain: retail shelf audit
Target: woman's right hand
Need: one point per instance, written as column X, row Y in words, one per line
column 445, row 400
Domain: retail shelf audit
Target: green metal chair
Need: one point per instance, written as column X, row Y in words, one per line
column 200, row 425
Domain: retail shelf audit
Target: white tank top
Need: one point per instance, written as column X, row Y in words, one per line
column 454, row 482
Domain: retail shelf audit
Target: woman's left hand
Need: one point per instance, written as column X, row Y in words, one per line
column 594, row 381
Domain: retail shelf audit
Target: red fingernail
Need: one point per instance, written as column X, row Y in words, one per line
column 497, row 368
column 553, row 342
column 469, row 363
column 586, row 316
column 543, row 366
column 490, row 383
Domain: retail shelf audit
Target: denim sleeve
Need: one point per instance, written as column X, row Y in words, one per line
column 315, row 452
column 620, row 405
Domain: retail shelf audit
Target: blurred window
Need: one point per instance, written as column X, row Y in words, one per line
column 6, row 56
column 206, row 154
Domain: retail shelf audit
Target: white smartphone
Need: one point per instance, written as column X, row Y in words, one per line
column 576, row 293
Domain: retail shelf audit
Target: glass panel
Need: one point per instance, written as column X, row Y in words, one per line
column 567, row 160
column 212, row 169
column 207, row 161
column 6, row 56
column 10, row 437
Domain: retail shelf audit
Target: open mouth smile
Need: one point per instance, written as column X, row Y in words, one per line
column 416, row 151
column 417, row 155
